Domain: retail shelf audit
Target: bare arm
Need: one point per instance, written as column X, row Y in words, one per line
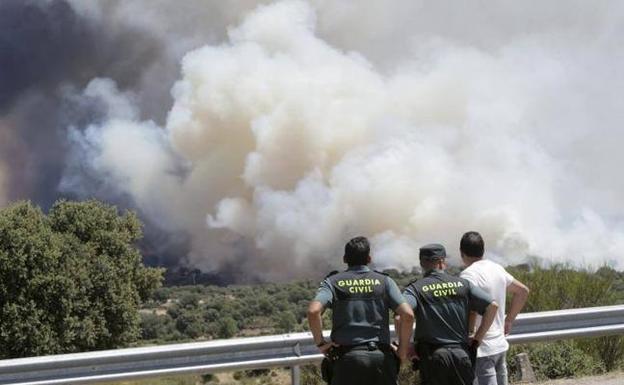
column 519, row 293
column 486, row 321
column 315, row 311
column 406, row 323
column 397, row 325
column 472, row 320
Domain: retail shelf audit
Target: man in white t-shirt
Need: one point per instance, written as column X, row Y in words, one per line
column 491, row 367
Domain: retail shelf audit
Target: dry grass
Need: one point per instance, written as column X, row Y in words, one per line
column 613, row 378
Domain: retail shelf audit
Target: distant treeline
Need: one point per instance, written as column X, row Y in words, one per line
column 177, row 313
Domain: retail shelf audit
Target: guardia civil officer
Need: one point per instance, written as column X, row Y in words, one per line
column 442, row 304
column 360, row 300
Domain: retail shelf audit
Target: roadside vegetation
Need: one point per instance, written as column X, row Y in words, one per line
column 207, row 312
column 73, row 280
column 563, row 287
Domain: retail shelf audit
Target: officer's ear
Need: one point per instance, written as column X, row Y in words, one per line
column 368, row 259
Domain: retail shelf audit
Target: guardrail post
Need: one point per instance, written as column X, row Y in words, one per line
column 295, row 371
column 526, row 370
column 295, row 375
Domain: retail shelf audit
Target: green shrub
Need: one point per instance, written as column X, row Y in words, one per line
column 553, row 360
column 189, row 300
column 238, row 375
column 259, row 376
column 563, row 287
column 286, row 322
column 156, row 327
column 227, row 327
column 190, row 323
column 257, row 372
column 209, row 379
column 609, row 350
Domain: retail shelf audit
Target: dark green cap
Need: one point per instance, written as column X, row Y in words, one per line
column 432, row 251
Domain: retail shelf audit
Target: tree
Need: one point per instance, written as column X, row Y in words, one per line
column 70, row 281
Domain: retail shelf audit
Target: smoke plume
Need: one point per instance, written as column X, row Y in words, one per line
column 49, row 53
column 256, row 137
column 309, row 123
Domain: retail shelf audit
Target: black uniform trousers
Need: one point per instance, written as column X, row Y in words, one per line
column 445, row 365
column 365, row 367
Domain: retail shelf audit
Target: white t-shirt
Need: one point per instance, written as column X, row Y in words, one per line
column 494, row 279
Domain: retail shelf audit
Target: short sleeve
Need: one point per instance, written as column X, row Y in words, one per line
column 508, row 277
column 479, row 299
column 394, row 294
column 465, row 274
column 324, row 294
column 410, row 296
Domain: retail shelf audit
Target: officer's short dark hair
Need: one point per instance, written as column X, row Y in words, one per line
column 472, row 245
column 357, row 251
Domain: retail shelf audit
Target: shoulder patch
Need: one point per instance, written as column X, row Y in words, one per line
column 332, row 273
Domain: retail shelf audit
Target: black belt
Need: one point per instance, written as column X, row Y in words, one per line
column 366, row 346
column 430, row 348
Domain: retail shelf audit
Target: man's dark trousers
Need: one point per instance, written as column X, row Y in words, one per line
column 447, row 365
column 365, row 367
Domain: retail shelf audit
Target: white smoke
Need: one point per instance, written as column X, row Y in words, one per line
column 284, row 141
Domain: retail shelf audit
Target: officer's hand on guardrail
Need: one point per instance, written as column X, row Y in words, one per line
column 326, row 346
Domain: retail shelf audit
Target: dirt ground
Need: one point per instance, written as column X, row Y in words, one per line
column 615, row 378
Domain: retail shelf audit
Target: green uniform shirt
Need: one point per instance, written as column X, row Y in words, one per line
column 441, row 304
column 360, row 300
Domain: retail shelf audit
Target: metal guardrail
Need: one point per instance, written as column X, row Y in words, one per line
column 288, row 350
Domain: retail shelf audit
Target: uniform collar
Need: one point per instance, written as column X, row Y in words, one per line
column 434, row 272
column 358, row 268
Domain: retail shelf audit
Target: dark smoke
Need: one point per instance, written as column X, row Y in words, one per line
column 48, row 53
column 46, row 49
column 41, row 44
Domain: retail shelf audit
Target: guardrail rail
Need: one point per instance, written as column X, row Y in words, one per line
column 287, row 350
